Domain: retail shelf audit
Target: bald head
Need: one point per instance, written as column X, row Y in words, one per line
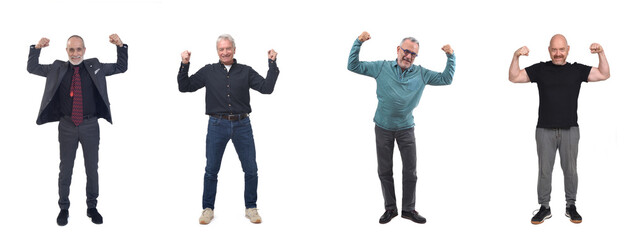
column 558, row 49
column 558, row 39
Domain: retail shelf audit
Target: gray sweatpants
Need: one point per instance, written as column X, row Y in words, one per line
column 548, row 141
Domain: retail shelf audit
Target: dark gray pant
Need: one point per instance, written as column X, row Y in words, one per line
column 384, row 142
column 548, row 142
column 87, row 133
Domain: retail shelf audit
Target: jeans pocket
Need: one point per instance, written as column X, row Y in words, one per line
column 214, row 121
column 245, row 121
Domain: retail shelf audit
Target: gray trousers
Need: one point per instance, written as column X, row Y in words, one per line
column 87, row 133
column 384, row 142
column 548, row 142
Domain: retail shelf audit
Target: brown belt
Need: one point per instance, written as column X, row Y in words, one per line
column 231, row 117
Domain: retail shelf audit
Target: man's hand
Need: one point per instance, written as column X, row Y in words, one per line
column 596, row 48
column 601, row 72
column 114, row 39
column 522, row 51
column 42, row 43
column 517, row 75
column 272, row 55
column 447, row 49
column 186, row 55
column 364, row 36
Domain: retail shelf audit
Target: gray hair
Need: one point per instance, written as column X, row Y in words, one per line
column 412, row 39
column 226, row 37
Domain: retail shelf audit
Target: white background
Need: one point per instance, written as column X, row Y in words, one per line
column 477, row 163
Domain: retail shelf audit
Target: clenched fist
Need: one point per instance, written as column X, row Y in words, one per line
column 522, row 51
column 114, row 39
column 186, row 55
column 364, row 36
column 42, row 43
column 272, row 54
column 447, row 49
column 596, row 48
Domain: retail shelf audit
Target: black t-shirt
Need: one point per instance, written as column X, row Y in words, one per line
column 558, row 86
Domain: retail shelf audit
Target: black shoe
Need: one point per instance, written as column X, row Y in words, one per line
column 94, row 214
column 543, row 214
column 571, row 212
column 413, row 216
column 388, row 215
column 62, row 218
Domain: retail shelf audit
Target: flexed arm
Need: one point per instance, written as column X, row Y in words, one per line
column 355, row 65
column 121, row 57
column 33, row 65
column 602, row 72
column 186, row 83
column 517, row 75
column 265, row 85
column 445, row 77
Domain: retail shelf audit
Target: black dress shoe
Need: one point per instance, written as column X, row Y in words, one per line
column 388, row 215
column 413, row 216
column 94, row 214
column 62, row 218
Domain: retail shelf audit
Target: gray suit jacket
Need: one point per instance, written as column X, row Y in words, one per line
column 49, row 109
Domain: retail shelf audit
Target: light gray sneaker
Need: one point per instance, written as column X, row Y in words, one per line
column 207, row 216
column 253, row 215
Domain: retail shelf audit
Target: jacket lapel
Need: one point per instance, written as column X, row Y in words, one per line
column 93, row 67
column 62, row 73
column 92, row 70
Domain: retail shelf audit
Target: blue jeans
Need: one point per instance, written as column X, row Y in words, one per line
column 220, row 131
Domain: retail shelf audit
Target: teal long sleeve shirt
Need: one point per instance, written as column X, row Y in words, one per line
column 398, row 92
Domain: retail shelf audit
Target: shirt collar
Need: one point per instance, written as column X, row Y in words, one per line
column 395, row 65
column 70, row 65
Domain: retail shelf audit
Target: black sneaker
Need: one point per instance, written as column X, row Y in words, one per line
column 62, row 218
column 94, row 214
column 543, row 214
column 571, row 212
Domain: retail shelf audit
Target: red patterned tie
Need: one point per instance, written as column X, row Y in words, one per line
column 77, row 98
